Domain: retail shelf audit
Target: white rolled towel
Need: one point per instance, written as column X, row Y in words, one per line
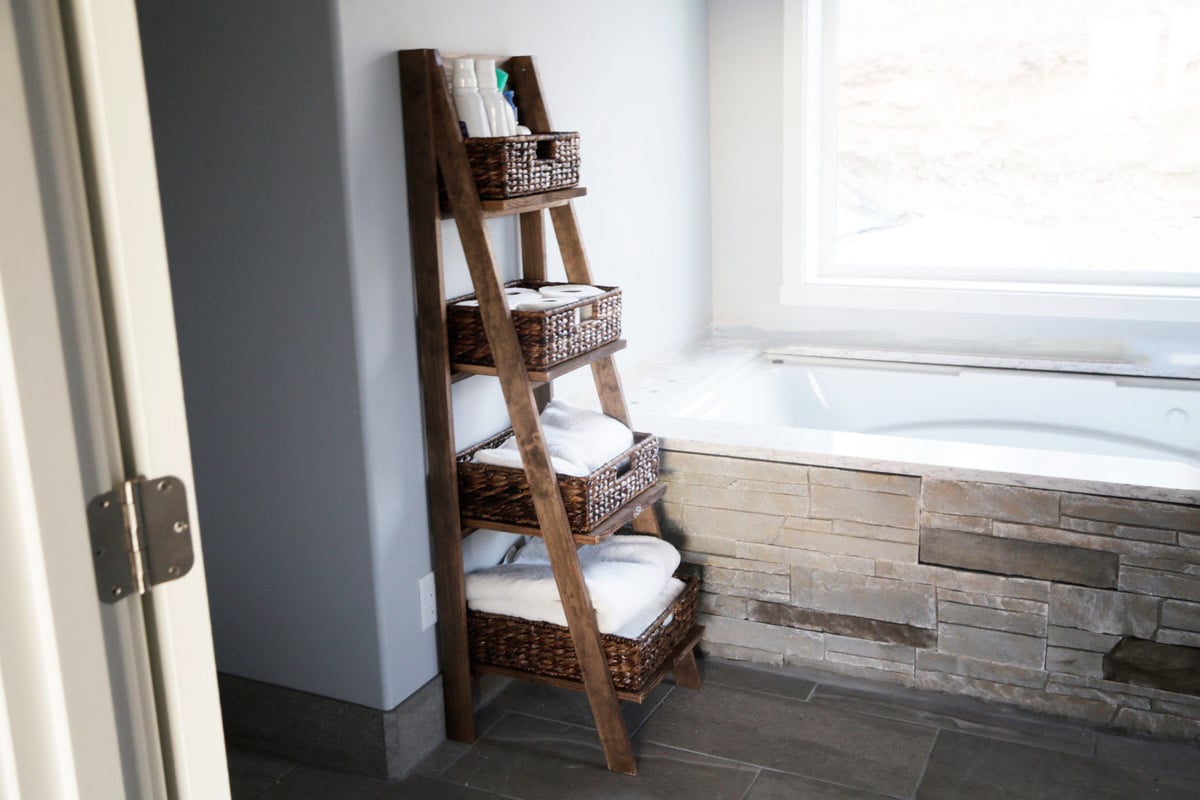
column 575, row 291
column 582, row 436
column 507, row 455
column 642, row 620
column 622, row 548
column 620, row 591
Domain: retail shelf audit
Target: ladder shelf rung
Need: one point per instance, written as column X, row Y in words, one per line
column 462, row 371
column 520, row 205
column 623, row 516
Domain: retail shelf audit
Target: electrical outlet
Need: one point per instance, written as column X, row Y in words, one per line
column 428, row 601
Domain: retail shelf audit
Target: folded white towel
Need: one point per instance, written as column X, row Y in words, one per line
column 619, row 591
column 622, row 548
column 507, row 455
column 582, row 436
column 638, row 623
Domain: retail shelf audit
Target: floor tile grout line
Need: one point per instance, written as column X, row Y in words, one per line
column 274, row 781
column 928, row 757
column 750, row 786
column 633, row 731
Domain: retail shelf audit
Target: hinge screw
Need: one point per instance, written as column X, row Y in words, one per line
column 117, row 591
column 181, row 526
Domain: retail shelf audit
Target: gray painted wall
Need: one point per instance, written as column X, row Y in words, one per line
column 242, row 98
column 278, row 133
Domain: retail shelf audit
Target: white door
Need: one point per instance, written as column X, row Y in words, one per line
column 97, row 700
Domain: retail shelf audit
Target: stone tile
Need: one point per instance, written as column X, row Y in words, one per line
column 723, row 605
column 1081, row 640
column 1030, row 677
column 712, row 545
column 1101, row 611
column 752, row 679
column 739, row 583
column 1167, row 667
column 1160, row 584
column 864, row 596
column 1118, row 531
column 738, row 500
column 862, row 530
column 806, row 524
column 775, row 733
column 1185, row 638
column 1116, row 699
column 883, row 651
column 251, row 772
column 310, row 783
column 537, row 759
column 988, row 645
column 1139, row 721
column 726, row 524
column 1182, row 566
column 992, row 618
column 849, row 545
column 963, row 766
column 1018, row 558
column 778, row 554
column 952, row 522
column 975, row 582
column 957, row 713
column 974, row 499
column 1033, row 699
column 875, row 508
column 770, row 487
column 989, row 601
column 1178, row 758
column 1114, row 688
column 782, row 786
column 1075, row 662
column 1178, row 709
column 758, row 636
column 733, row 652
column 868, row 481
column 777, row 472
column 856, row 667
column 841, row 624
column 1189, row 540
column 882, row 666
column 733, row 563
column 564, row 705
column 1140, row 513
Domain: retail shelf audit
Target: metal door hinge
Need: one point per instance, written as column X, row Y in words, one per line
column 141, row 536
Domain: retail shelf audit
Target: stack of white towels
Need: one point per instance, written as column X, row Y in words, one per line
column 580, row 441
column 629, row 579
column 547, row 297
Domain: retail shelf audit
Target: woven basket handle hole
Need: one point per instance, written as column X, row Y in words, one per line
column 547, row 150
column 624, row 467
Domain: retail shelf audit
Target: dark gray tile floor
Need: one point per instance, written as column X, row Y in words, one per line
column 764, row 734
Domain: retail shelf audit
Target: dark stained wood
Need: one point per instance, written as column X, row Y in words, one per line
column 558, row 370
column 604, row 530
column 685, row 652
column 434, row 363
column 687, row 674
column 528, row 94
column 604, row 370
column 524, row 204
column 522, row 409
column 533, row 246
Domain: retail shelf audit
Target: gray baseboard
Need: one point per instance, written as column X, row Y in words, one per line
column 332, row 733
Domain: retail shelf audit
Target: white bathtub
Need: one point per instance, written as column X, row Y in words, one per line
column 935, row 419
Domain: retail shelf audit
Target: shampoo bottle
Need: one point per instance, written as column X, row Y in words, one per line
column 467, row 99
column 493, row 102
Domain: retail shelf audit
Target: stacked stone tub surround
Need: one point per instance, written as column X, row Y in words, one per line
column 1062, row 601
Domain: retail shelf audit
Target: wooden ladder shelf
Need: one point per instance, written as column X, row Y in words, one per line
column 433, row 145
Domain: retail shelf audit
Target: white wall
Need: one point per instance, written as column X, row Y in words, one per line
column 630, row 76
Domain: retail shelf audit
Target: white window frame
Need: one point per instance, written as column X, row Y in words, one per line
column 808, row 161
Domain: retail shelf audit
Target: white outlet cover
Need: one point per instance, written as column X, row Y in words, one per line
column 425, row 587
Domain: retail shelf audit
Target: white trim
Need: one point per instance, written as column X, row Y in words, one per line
column 125, row 181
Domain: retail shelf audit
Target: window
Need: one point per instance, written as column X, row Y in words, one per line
column 1021, row 148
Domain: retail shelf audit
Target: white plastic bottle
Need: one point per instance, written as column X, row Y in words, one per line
column 467, row 99
column 493, row 102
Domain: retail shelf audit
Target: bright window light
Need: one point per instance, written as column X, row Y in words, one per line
column 1028, row 141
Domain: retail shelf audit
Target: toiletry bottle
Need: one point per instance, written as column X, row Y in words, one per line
column 493, row 102
column 467, row 99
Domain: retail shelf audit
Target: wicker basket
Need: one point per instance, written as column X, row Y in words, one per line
column 543, row 648
column 547, row 337
column 512, row 166
column 501, row 494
